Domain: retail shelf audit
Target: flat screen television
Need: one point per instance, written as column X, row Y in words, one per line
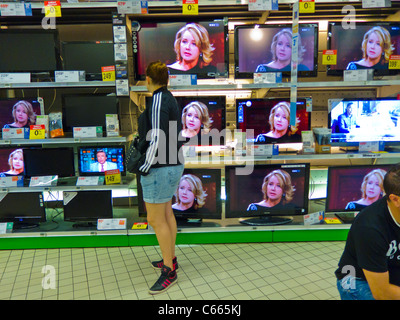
column 270, row 120
column 30, row 50
column 20, row 112
column 180, row 44
column 24, row 209
column 95, row 160
column 360, row 120
column 268, row 194
column 368, row 46
column 11, row 162
column 203, row 119
column 49, row 162
column 198, row 196
column 89, row 56
column 85, row 207
column 268, row 48
column 85, row 110
column 351, row 188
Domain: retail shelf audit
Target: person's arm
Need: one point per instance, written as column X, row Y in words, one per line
column 380, row 287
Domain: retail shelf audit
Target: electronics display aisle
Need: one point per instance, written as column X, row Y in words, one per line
column 56, row 232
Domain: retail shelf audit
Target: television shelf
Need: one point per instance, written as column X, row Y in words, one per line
column 58, row 141
column 42, row 85
column 287, row 85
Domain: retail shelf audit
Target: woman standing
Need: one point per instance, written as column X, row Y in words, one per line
column 159, row 129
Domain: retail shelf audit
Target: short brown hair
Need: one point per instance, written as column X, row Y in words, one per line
column 158, row 72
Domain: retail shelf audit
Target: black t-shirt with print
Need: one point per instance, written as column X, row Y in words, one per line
column 373, row 244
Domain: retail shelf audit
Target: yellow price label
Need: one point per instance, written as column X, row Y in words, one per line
column 139, row 225
column 394, row 62
column 108, row 73
column 52, row 9
column 112, row 176
column 329, row 57
column 306, row 6
column 190, row 7
column 37, row 132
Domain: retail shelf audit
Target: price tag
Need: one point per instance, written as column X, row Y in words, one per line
column 190, row 7
column 37, row 131
column 306, row 6
column 14, row 181
column 262, row 5
column 15, row 9
column 43, row 181
column 52, row 9
column 139, row 225
column 90, row 181
column 112, row 176
column 329, row 57
column 111, row 224
column 394, row 62
column 108, row 73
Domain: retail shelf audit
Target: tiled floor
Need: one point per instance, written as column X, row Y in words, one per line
column 276, row 271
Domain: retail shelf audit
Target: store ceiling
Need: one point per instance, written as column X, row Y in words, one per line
column 331, row 11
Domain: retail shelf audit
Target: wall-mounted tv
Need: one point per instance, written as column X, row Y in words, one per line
column 268, row 194
column 367, row 46
column 270, row 119
column 95, row 160
column 89, row 56
column 187, row 47
column 268, row 48
column 30, row 50
column 20, row 112
column 360, row 120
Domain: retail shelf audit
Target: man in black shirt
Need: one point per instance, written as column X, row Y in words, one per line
column 370, row 264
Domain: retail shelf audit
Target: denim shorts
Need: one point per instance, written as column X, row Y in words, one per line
column 351, row 288
column 161, row 183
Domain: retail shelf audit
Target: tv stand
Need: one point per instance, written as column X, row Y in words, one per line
column 266, row 221
column 25, row 225
column 87, row 224
column 187, row 222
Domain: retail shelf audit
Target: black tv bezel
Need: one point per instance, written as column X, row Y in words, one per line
column 356, row 143
column 87, row 174
column 229, row 214
column 84, row 218
column 329, row 186
column 71, row 152
column 382, row 72
column 278, row 141
column 191, row 215
column 57, row 48
column 89, row 75
column 33, row 219
column 250, row 75
column 223, row 19
column 69, row 129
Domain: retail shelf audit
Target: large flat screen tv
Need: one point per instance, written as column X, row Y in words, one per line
column 193, row 46
column 11, row 162
column 352, row 188
column 267, row 195
column 30, row 50
column 24, row 209
column 367, row 46
column 361, row 120
column 268, row 48
column 85, row 110
column 95, row 160
column 270, row 119
column 89, row 56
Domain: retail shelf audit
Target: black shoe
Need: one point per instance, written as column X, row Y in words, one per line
column 159, row 264
column 167, row 279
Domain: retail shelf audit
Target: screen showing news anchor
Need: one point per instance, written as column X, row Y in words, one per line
column 354, row 121
column 367, row 46
column 267, row 48
column 20, row 113
column 270, row 119
column 98, row 160
column 186, row 47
